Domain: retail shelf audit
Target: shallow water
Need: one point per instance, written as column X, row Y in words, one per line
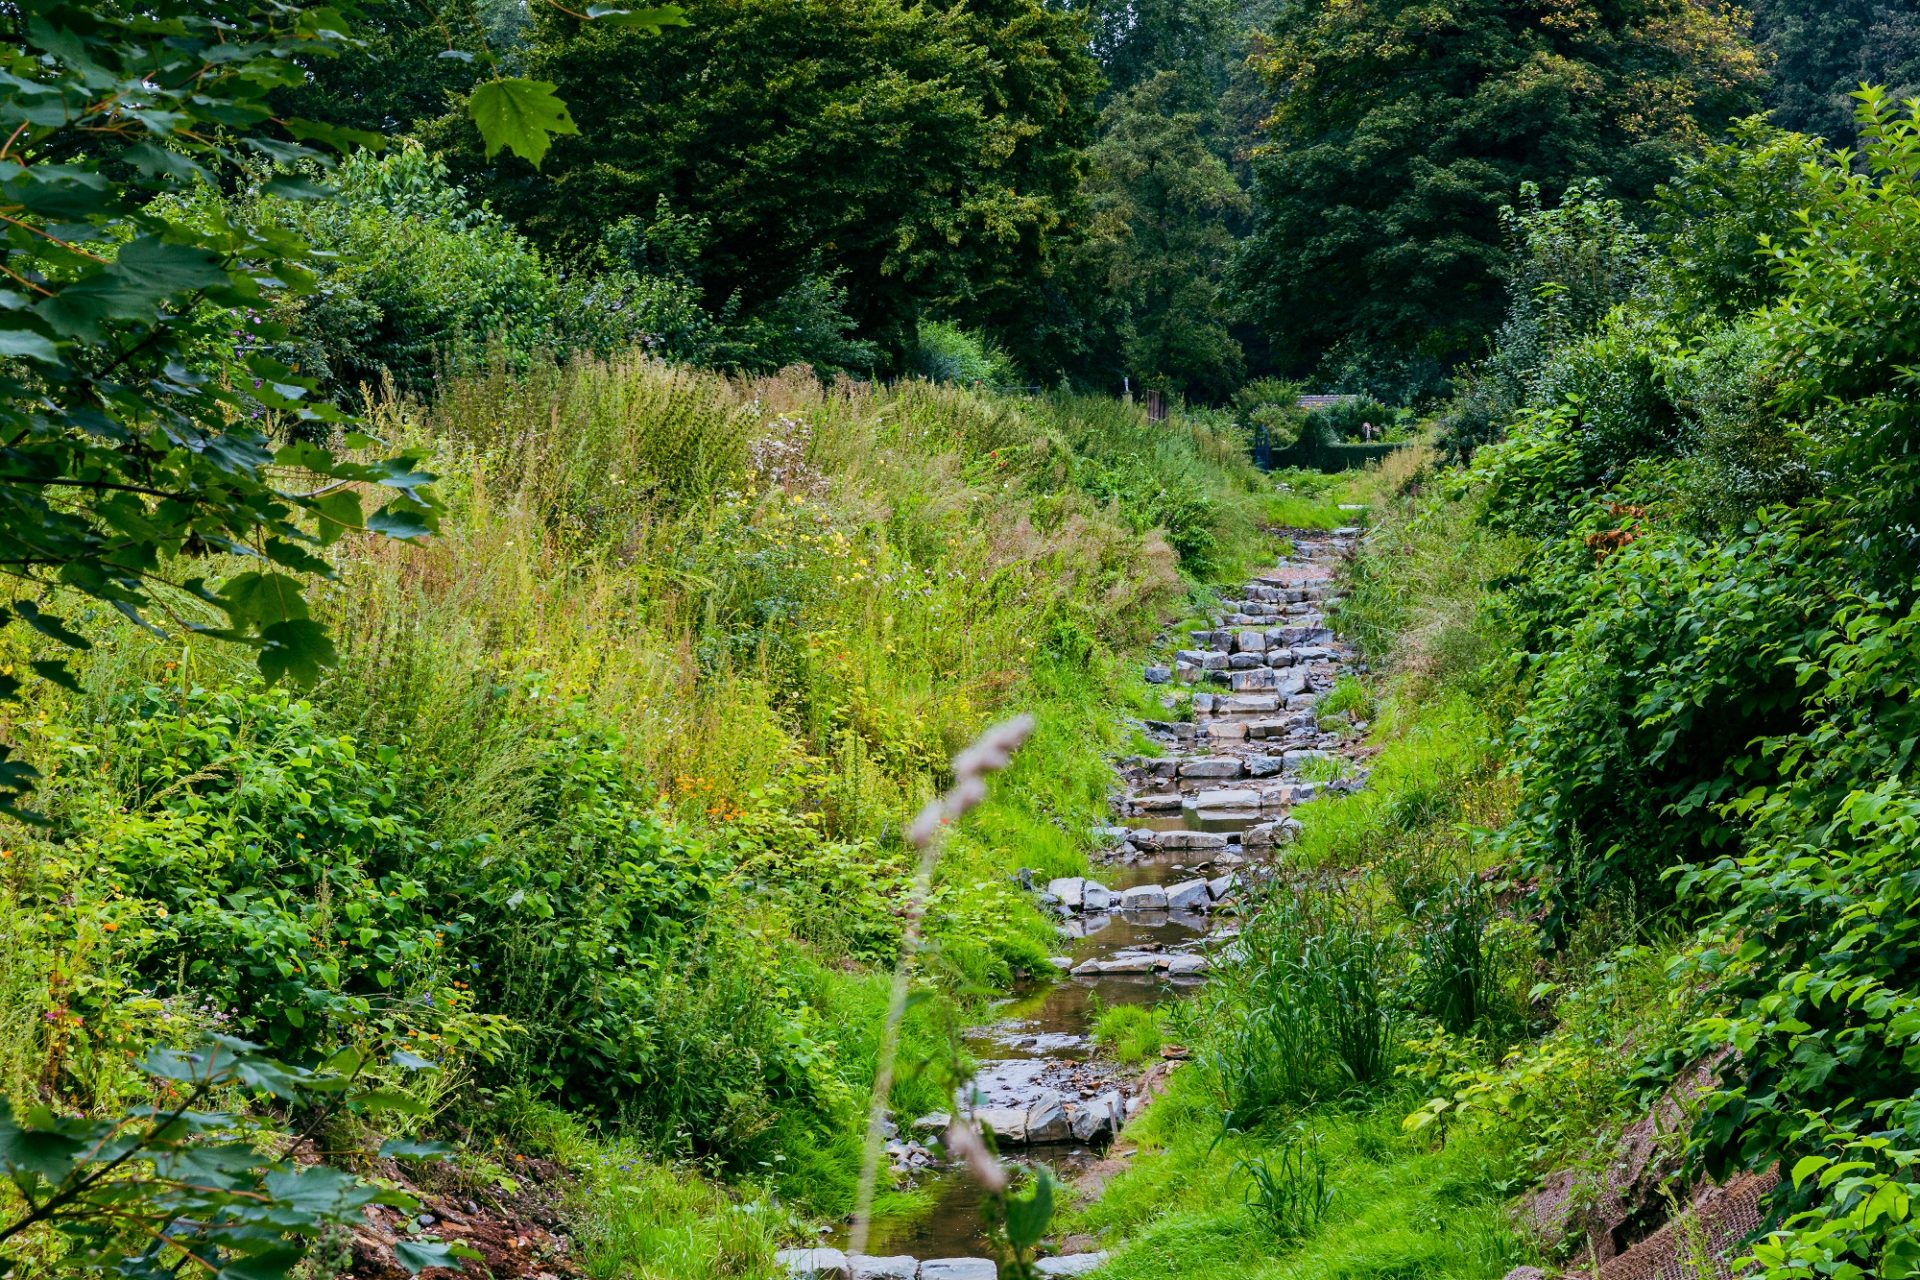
column 1040, row 1028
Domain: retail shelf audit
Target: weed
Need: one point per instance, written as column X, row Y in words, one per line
column 1287, row 1191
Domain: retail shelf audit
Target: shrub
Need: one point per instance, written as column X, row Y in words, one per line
column 948, row 353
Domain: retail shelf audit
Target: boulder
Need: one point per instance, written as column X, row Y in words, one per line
column 1257, row 679
column 1227, row 731
column 1188, row 841
column 1047, row 1119
column 1009, row 1124
column 1222, row 887
column 1202, row 703
column 1158, row 674
column 1189, row 895
column 959, row 1269
column 1301, row 759
column 1213, row 660
column 1190, row 657
column 1073, row 1264
column 1186, row 672
column 1145, row 897
column 1070, row 891
column 1096, row 1119
column 1249, row 642
column 1095, row 896
column 1211, row 766
column 1144, row 837
column 1129, row 962
column 900, row 1267
column 813, row 1264
column 1261, row 766
column 1185, row 966
column 1246, row 662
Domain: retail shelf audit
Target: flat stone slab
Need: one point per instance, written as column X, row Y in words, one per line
column 959, row 1269
column 1191, row 841
column 1221, row 798
column 1192, row 895
column 1211, row 766
column 1145, row 897
column 899, row 1267
column 1074, row 1264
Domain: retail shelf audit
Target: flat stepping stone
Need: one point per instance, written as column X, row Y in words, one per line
column 1074, row 1264
column 959, row 1269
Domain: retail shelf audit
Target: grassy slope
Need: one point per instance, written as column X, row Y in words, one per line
column 782, row 609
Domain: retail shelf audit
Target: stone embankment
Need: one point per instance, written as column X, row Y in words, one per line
column 1195, row 826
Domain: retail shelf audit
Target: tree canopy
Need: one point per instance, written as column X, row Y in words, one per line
column 1402, row 128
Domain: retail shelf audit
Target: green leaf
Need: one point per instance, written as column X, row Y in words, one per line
column 521, row 115
column 262, row 599
column 296, row 649
column 417, row 1255
column 1027, row 1216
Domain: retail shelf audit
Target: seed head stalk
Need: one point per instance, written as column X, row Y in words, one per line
column 989, row 754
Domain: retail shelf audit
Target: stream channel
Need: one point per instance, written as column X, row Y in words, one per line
column 1210, row 810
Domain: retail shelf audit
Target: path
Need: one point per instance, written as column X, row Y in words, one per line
column 1198, row 820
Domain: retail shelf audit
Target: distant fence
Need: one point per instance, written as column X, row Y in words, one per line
column 1312, row 455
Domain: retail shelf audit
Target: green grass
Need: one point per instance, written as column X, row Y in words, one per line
column 1131, row 1033
column 1399, row 1210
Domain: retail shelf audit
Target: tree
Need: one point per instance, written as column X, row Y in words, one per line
column 137, row 396
column 910, row 153
column 1160, row 199
column 1824, row 50
column 1401, row 128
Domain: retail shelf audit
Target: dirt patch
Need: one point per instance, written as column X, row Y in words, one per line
column 519, row 1233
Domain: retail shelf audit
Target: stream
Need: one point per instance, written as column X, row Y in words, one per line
column 1196, row 819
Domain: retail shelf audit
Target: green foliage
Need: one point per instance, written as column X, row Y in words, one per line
column 1130, row 1032
column 1287, row 1192
column 1822, row 51
column 1160, row 201
column 948, row 353
column 1306, row 1015
column 174, row 1183
column 136, row 428
column 1401, row 129
column 940, row 144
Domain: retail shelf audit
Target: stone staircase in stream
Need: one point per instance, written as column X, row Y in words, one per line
column 1192, row 824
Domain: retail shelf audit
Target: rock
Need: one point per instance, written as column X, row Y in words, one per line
column 1185, row 966
column 1156, row 803
column 1268, row 834
column 1224, row 731
column 1190, row 657
column 901, row 1267
column 1145, row 837
column 1202, row 704
column 1145, row 897
column 959, row 1269
column 1009, row 1124
column 1211, row 766
column 813, row 1264
column 1158, row 675
column 1047, row 1119
column 1527, row 1273
column 1223, row 798
column 1187, row 841
column 933, row 1122
column 1301, row 759
column 1213, row 660
column 1243, row 702
column 1261, row 766
column 1256, row 679
column 1073, row 1264
column 1070, row 891
column 1222, row 887
column 1249, row 642
column 1062, row 963
column 1189, row 895
column 1230, row 860
column 1095, row 896
column 1246, row 662
column 1186, row 672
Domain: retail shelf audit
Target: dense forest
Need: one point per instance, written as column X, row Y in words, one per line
column 968, row 639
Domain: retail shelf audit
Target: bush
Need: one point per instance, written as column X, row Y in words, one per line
column 948, row 353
